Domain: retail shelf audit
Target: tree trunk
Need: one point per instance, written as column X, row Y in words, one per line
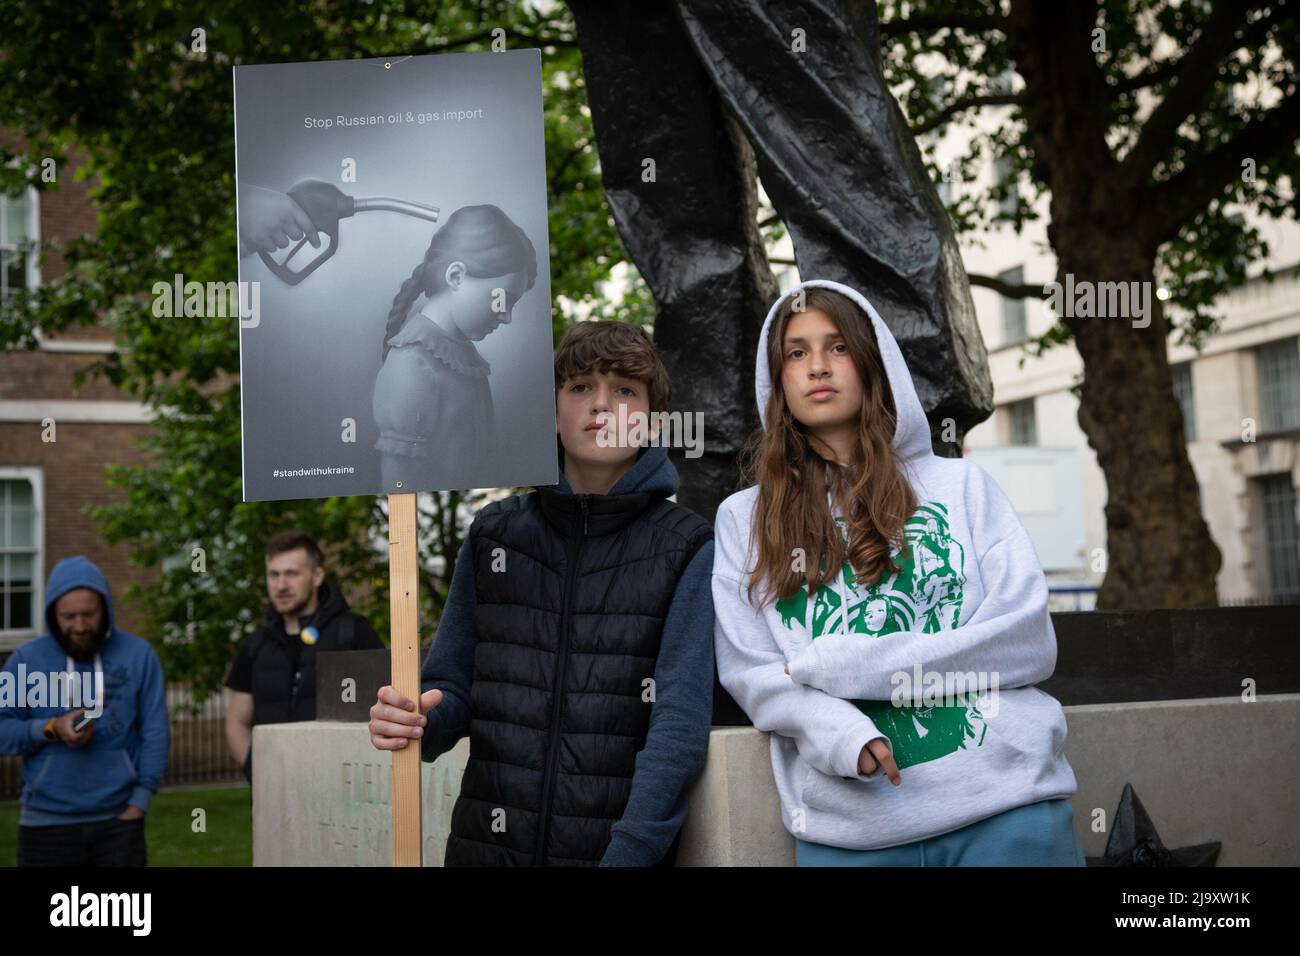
column 1159, row 552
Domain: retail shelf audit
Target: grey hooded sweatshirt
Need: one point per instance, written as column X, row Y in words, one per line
column 940, row 658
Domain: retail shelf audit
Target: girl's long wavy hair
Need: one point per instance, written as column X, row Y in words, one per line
column 793, row 480
column 482, row 237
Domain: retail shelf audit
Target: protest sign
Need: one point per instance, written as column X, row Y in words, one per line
column 394, row 300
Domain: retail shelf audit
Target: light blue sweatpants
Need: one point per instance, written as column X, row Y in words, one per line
column 1037, row 834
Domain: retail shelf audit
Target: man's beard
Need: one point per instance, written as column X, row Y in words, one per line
column 298, row 608
column 79, row 653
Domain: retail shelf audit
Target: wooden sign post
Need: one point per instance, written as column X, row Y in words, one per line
column 403, row 586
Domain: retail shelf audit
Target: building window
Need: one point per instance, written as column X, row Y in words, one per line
column 1020, row 415
column 1004, row 176
column 1183, row 393
column 1281, row 535
column 936, row 91
column 1240, row 261
column 20, row 552
column 945, row 191
column 1014, row 328
column 1004, row 82
column 17, row 242
column 1229, row 100
column 1278, row 364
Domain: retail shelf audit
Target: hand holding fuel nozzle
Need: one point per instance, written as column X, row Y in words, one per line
column 309, row 208
column 270, row 220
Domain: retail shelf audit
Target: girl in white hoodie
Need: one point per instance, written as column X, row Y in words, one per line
column 882, row 612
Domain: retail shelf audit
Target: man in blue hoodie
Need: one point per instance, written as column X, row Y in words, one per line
column 85, row 788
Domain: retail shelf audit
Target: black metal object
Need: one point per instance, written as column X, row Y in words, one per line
column 1171, row 654
column 689, row 222
column 1134, row 842
column 840, row 165
column 367, row 670
column 842, row 168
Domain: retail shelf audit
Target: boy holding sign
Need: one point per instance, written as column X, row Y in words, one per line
column 576, row 645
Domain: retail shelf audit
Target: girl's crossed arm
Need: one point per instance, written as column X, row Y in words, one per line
column 829, row 732
column 1009, row 637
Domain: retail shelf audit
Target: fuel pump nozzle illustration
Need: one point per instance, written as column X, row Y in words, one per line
column 326, row 205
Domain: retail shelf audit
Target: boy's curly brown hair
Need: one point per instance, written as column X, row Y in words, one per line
column 618, row 347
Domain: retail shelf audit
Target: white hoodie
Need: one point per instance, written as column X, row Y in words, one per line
column 969, row 605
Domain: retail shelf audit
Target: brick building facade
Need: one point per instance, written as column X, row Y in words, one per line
column 55, row 440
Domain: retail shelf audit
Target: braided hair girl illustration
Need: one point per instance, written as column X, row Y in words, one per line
column 432, row 399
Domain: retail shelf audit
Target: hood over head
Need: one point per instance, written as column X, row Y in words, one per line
column 68, row 575
column 912, row 435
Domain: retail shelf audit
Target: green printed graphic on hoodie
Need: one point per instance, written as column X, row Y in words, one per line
column 924, row 595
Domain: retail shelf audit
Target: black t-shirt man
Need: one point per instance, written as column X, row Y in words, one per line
column 279, row 669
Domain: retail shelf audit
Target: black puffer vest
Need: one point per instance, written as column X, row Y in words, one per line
column 571, row 596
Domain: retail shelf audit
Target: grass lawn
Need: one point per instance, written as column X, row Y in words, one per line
column 169, row 833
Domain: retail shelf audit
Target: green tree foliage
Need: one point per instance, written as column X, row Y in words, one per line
column 1224, row 75
column 1153, row 126
column 118, row 92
